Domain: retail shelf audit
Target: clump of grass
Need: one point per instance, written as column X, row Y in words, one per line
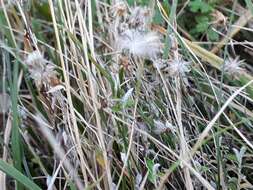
column 114, row 95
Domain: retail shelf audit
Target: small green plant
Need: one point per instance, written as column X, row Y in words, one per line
column 203, row 11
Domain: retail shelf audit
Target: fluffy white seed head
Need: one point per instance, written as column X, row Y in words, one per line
column 140, row 17
column 178, row 67
column 160, row 63
column 35, row 57
column 41, row 71
column 233, row 66
column 161, row 127
column 142, row 44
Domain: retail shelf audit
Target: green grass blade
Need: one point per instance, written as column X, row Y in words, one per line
column 249, row 5
column 15, row 136
column 11, row 171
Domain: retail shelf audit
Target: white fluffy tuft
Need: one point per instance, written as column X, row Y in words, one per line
column 147, row 45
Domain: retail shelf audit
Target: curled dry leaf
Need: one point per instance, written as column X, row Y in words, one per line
column 219, row 18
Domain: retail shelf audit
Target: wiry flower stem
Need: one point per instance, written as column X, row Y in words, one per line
column 179, row 64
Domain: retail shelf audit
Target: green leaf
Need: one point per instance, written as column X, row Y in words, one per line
column 71, row 185
column 212, row 35
column 201, row 27
column 150, row 165
column 199, row 5
column 130, row 2
column 152, row 170
column 11, row 171
column 42, row 10
column 202, row 24
column 157, row 19
column 117, row 107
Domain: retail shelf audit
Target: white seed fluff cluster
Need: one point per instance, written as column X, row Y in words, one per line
column 178, row 67
column 146, row 45
column 135, row 37
column 140, row 17
column 44, row 75
column 41, row 71
column 233, row 66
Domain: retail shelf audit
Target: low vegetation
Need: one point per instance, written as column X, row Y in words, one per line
column 126, row 94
